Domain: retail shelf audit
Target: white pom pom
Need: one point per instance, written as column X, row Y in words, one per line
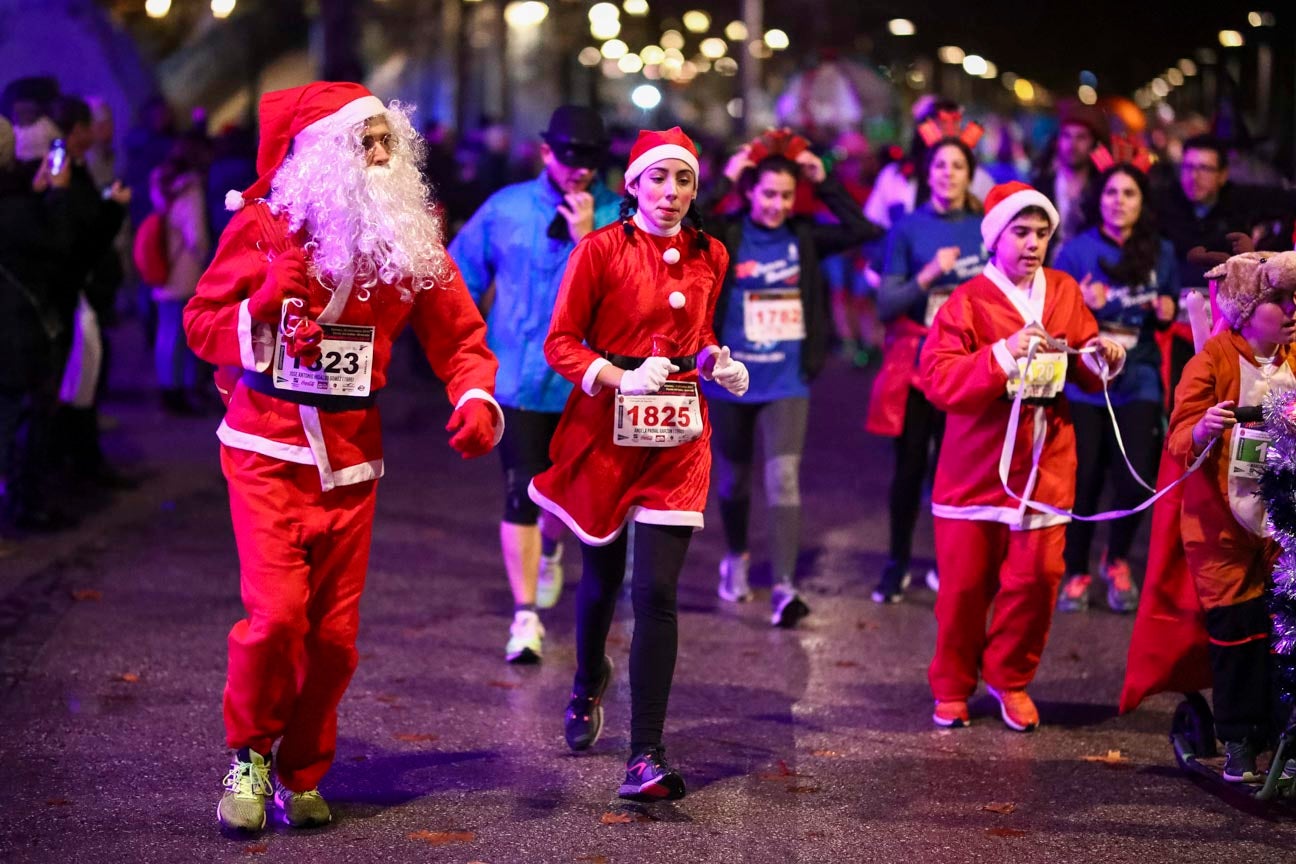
column 671, row 256
column 234, row 200
column 676, row 298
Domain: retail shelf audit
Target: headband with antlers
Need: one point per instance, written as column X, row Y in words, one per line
column 1124, row 149
column 946, row 124
column 777, row 142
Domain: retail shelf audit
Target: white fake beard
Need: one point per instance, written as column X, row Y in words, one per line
column 372, row 225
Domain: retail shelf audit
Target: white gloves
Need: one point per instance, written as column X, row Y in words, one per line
column 729, row 373
column 649, row 377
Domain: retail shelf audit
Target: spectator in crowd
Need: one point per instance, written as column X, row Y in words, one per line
column 1065, row 172
column 27, row 101
column 1203, row 209
column 34, row 242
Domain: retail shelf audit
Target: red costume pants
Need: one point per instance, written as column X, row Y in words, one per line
column 1013, row 576
column 303, row 555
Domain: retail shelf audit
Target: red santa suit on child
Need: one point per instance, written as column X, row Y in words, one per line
column 626, row 296
column 995, row 554
column 302, row 464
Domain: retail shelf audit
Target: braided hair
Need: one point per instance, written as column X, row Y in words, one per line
column 629, row 204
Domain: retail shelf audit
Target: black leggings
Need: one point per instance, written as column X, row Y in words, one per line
column 924, row 426
column 658, row 559
column 524, row 453
column 1098, row 456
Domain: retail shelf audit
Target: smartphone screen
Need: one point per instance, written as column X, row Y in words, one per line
column 58, row 156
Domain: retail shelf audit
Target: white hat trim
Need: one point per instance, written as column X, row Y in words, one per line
column 997, row 219
column 657, row 154
column 355, row 111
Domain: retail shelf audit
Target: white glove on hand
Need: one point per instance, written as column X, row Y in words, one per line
column 729, row 373
column 648, row 378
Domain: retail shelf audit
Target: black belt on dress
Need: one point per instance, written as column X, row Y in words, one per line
column 621, row 361
column 261, row 382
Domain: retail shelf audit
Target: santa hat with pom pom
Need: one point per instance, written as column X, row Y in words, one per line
column 651, row 147
column 304, row 115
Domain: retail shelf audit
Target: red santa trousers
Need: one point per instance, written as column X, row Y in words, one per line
column 984, row 565
column 303, row 555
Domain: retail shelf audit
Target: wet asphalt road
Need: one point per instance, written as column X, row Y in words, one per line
column 811, row 745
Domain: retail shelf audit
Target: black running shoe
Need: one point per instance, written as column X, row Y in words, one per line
column 649, row 778
column 1240, row 763
column 892, row 585
column 584, row 721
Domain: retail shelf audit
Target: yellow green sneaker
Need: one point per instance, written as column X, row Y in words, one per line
column 247, row 785
column 301, row 809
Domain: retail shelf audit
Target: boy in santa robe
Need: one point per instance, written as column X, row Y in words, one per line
column 332, row 252
column 997, row 554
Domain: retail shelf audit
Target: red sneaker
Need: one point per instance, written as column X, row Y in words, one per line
column 952, row 714
column 1017, row 709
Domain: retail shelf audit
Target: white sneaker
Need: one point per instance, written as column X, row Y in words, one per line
column 933, row 579
column 525, row 637
column 733, row 587
column 550, row 584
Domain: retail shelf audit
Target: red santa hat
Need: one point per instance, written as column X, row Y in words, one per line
column 1003, row 204
column 305, row 115
column 652, row 147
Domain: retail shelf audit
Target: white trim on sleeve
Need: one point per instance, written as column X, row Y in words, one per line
column 478, row 393
column 589, row 381
column 1007, row 362
column 256, row 341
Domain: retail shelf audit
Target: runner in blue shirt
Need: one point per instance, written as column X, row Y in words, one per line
column 519, row 242
column 1130, row 280
column 929, row 253
column 773, row 313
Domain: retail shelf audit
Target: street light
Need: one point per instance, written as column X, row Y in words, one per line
column 614, row 49
column 736, row 31
column 1231, row 39
column 696, row 21
column 524, row 14
column 713, row 48
column 951, row 54
column 1174, row 76
column 222, row 8
column 672, row 39
column 901, row 27
column 652, row 55
column 603, row 11
column 637, row 8
column 590, row 56
column 605, row 28
column 776, row 39
column 1160, row 88
column 1087, row 95
column 991, row 71
column 1024, row 89
column 1187, row 67
column 630, row 64
column 974, row 65
column 646, row 97
column 157, row 8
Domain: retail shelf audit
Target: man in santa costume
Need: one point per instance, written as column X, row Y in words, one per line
column 633, row 331
column 331, row 253
column 1006, row 330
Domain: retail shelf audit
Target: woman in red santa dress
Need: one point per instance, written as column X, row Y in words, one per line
column 633, row 329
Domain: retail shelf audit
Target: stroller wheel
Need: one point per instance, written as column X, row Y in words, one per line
column 1193, row 729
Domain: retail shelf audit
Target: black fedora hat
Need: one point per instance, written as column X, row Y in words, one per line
column 577, row 136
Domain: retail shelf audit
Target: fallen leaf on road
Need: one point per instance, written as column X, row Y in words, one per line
column 802, row 789
column 846, row 664
column 57, row 802
column 826, row 754
column 782, row 773
column 503, row 685
column 1005, row 832
column 256, row 848
column 1002, row 808
column 441, row 838
column 128, row 677
column 1113, row 757
column 87, row 594
column 616, row 818
column 592, row 859
column 865, row 625
column 415, row 736
column 387, row 698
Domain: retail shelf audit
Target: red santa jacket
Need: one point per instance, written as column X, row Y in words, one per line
column 346, row 446
column 964, row 368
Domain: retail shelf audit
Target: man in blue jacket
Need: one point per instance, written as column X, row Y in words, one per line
column 519, row 242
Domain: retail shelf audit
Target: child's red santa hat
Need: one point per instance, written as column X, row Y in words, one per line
column 1003, row 204
column 652, row 147
column 302, row 114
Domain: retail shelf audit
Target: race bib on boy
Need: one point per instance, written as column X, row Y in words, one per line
column 667, row 418
column 935, row 300
column 345, row 367
column 1044, row 378
column 1247, row 452
column 773, row 316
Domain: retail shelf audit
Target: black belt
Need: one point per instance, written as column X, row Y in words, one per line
column 621, row 361
column 261, row 382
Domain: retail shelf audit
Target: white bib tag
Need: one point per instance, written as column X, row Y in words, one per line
column 1043, row 379
column 935, row 300
column 345, row 366
column 1247, row 452
column 773, row 316
column 667, row 418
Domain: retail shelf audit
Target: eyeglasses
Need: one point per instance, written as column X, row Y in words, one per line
column 388, row 142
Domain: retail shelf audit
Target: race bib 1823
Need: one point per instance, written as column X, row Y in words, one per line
column 345, row 367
